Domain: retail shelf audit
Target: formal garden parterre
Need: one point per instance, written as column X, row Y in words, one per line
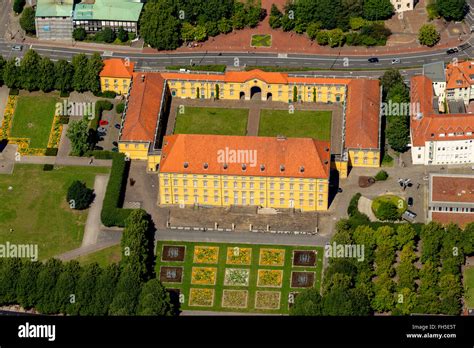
column 237, row 277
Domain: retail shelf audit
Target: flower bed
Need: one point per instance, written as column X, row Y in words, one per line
column 204, row 275
column 206, row 254
column 201, row 297
column 8, row 117
column 272, row 257
column 236, row 277
column 234, row 298
column 270, row 278
column 267, row 299
column 239, row 256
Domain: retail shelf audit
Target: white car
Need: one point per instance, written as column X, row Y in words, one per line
column 396, row 61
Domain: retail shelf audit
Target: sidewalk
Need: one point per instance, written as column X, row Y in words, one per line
column 93, row 222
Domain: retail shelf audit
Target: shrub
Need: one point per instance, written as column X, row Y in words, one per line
column 48, row 167
column 120, row 107
column 381, row 176
column 79, row 196
column 101, row 154
column 109, row 94
column 122, row 35
column 79, row 34
column 51, row 152
column 352, row 208
column 357, row 22
column 322, row 37
column 18, row 5
column 112, row 213
column 63, row 119
column 428, row 35
column 65, row 94
column 14, row 91
column 27, row 20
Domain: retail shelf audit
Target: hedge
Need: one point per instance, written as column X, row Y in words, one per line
column 51, row 152
column 101, row 154
column 112, row 214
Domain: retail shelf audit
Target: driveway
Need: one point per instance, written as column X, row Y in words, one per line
column 93, row 223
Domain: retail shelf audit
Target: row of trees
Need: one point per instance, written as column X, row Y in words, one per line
column 379, row 284
column 34, row 72
column 166, row 24
column 56, row 287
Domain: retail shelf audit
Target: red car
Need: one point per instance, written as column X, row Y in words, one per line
column 103, row 123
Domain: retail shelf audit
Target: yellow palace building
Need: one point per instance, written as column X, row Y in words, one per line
column 116, row 76
column 144, row 124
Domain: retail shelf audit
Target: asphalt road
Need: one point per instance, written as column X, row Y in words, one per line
column 346, row 65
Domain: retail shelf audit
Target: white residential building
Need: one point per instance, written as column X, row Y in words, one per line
column 403, row 5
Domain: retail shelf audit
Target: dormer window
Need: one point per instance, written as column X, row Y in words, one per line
column 282, row 168
column 262, row 168
column 205, row 165
column 186, row 165
column 301, row 169
column 225, row 166
column 244, row 167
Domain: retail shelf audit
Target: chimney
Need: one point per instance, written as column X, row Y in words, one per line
column 143, row 78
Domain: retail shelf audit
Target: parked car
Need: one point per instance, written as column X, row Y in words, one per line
column 117, row 126
column 452, row 50
column 101, row 130
column 410, row 201
column 114, row 143
column 373, row 60
column 115, row 149
column 339, row 190
column 103, row 123
column 396, row 61
column 409, row 215
column 17, row 48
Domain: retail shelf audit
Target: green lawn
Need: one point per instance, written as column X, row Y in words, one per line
column 36, row 208
column 300, row 124
column 33, row 119
column 469, row 286
column 261, row 41
column 103, row 257
column 217, row 121
column 253, row 267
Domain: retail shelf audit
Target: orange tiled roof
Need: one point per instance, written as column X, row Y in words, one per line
column 298, row 157
column 452, row 189
column 430, row 126
column 116, row 67
column 460, row 75
column 461, row 219
column 144, row 105
column 363, row 114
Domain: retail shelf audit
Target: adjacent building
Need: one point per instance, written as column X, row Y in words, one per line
column 54, row 19
column 96, row 15
column 451, row 198
column 436, row 73
column 460, row 82
column 438, row 139
column 116, row 76
column 218, row 170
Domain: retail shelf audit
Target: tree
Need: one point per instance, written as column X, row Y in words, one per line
column 406, row 303
column 217, row 91
column 122, row 35
column 378, row 9
column 406, row 270
column 390, row 78
column 382, row 175
column 80, row 78
column 387, row 211
column 154, row 300
column 136, row 242
column 78, row 134
column 105, row 289
column 308, row 303
column 405, row 235
column 295, row 94
column 398, row 93
column 211, row 29
column 64, row 74
column 384, row 299
column 9, row 272
column 65, row 288
column 322, row 37
column 18, row 5
column 398, row 133
column 158, row 25
column 450, row 293
column 468, row 239
column 79, row 34
column 27, row 21
column 29, row 71
column 275, row 17
column 128, row 289
column 87, row 289
column 431, row 236
column 342, row 302
column 107, row 35
column 452, row 10
column 46, row 79
column 94, row 67
column 187, row 32
column 428, row 35
column 79, row 196
column 26, row 286
column 11, row 74
column 200, row 33
column 45, row 284
column 224, row 25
